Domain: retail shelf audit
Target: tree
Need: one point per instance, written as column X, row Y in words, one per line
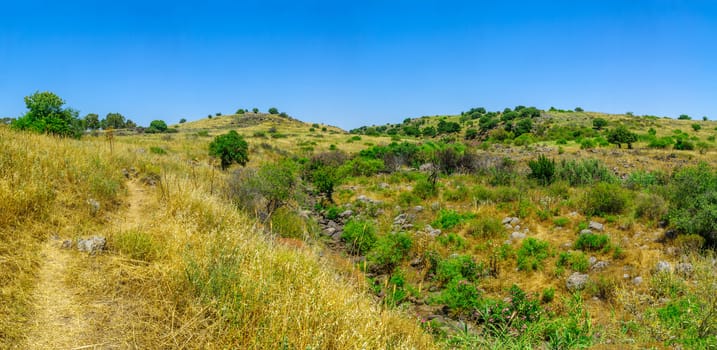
column 684, row 117
column 114, row 121
column 255, row 110
column 273, row 110
column 696, row 127
column 523, row 126
column 92, row 121
column 578, row 109
column 240, row 111
column 46, row 115
column 599, row 123
column 157, row 126
column 621, row 135
column 129, row 124
column 182, row 121
column 230, row 148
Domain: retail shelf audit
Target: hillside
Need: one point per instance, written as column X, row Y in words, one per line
column 533, row 230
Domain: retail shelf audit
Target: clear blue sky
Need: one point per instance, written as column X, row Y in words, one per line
column 352, row 63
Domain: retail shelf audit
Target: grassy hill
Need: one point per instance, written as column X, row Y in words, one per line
column 392, row 236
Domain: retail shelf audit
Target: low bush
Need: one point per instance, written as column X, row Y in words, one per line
column 542, row 169
column 689, row 243
column 584, row 172
column 457, row 267
column 650, row 206
column 576, row 261
column 359, row 235
column 157, row 150
column 137, row 245
column 593, row 242
column 452, row 240
column 604, row 198
column 460, row 296
column 424, row 189
column 485, row 227
column 531, row 254
column 561, row 222
column 448, row 219
column 389, row 251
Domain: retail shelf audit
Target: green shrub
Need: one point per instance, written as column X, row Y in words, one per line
column 230, row 148
column 361, row 166
column 542, row 169
column 287, row 223
column 359, row 235
column 332, row 212
column 561, row 222
column 448, row 219
column 425, row 189
column 389, row 251
column 481, row 194
column 504, row 194
column 548, row 295
column 661, row 142
column 690, row 243
column 587, row 143
column 603, row 288
column 693, row 198
column 604, row 198
column 531, row 254
column 459, row 194
column 593, row 242
column 584, row 172
column 650, row 206
column 407, row 199
column 457, row 267
column 645, row 179
column 452, row 240
column 137, row 245
column 157, row 150
column 485, row 227
column 576, row 261
column 460, row 296
column 684, row 144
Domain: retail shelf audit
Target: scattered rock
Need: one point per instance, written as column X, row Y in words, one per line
column 517, row 227
column 506, row 221
column 514, row 221
column 517, row 235
column 66, row 244
column 508, row 226
column 663, row 266
column 592, row 260
column 637, row 280
column 427, row 167
column 600, row 265
column 435, row 206
column 626, row 275
column 403, row 221
column 433, row 232
column 418, row 209
column 577, row 281
column 585, row 232
column 91, row 245
column 573, row 213
column 383, row 185
column 346, row 214
column 94, row 206
column 418, row 261
column 594, row 225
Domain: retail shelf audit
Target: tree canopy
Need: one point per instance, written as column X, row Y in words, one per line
column 621, row 135
column 46, row 115
column 230, row 148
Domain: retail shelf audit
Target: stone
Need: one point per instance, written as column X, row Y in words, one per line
column 329, row 231
column 594, row 225
column 427, row 167
column 66, row 244
column 435, row 206
column 663, row 266
column 517, row 235
column 433, row 232
column 508, row 226
column 94, row 206
column 383, row 185
column 637, row 280
column 506, row 220
column 418, row 209
column 585, row 232
column 514, row 221
column 592, row 260
column 517, row 227
column 577, row 281
column 91, row 245
column 346, row 214
column 600, row 265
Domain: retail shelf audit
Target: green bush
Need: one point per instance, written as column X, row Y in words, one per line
column 683, row 144
column 485, row 227
column 448, row 219
column 407, row 199
column 230, row 148
column 452, row 240
column 587, row 143
column 693, row 201
column 593, row 242
column 650, row 206
column 661, row 142
column 561, row 222
column 137, row 245
column 584, row 172
column 576, row 261
column 460, row 296
column 531, row 254
column 288, row 223
column 157, row 150
column 361, row 166
column 481, row 194
column 461, row 193
column 424, row 189
column 542, row 169
column 548, row 295
column 604, row 198
column 389, row 251
column 359, row 235
column 457, row 267
column 690, row 243
column 504, row 194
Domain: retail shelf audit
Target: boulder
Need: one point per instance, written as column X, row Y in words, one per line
column 663, row 266
column 517, row 235
column 91, row 245
column 346, row 214
column 594, row 225
column 685, row 269
column 577, row 281
column 585, row 232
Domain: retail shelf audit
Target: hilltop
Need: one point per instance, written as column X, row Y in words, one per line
column 511, row 229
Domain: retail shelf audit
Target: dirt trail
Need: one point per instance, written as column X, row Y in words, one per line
column 62, row 320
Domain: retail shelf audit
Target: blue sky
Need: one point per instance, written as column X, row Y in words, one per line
column 352, row 63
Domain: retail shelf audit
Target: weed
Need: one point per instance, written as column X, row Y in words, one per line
column 389, row 251
column 448, row 219
column 359, row 235
column 531, row 254
column 485, row 227
column 576, row 261
column 593, row 242
column 561, row 221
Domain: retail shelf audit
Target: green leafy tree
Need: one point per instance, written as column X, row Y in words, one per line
column 684, row 117
column 523, row 126
column 240, row 111
column 46, row 115
column 255, row 110
column 157, row 126
column 129, row 124
column 696, row 127
column 114, row 121
column 182, row 121
column 621, row 135
column 230, row 148
column 599, row 123
column 273, row 110
column 92, row 121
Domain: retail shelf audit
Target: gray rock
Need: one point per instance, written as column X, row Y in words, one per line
column 418, row 209
column 585, row 232
column 435, row 206
column 592, row 260
column 346, row 213
column 94, row 206
column 506, row 220
column 600, row 265
column 433, row 232
column 383, row 185
column 329, row 231
column 593, row 225
column 685, row 269
column 91, row 245
column 625, row 275
column 637, row 280
column 517, row 235
column 66, row 244
column 427, row 167
column 663, row 266
column 577, row 281
column 363, row 198
column 508, row 226
column 517, row 227
column 514, row 221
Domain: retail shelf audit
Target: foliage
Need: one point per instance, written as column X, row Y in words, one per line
column 230, row 148
column 561, row 221
column 273, row 110
column 684, row 117
column 650, row 206
column 584, row 172
column 604, row 198
column 576, row 261
column 448, row 219
column 359, row 235
column 460, row 296
column 361, row 166
column 45, row 115
column 389, row 251
column 593, row 242
column 92, row 121
column 542, row 169
column 424, row 189
column 157, row 126
column 599, row 123
column 113, row 121
column 693, row 201
column 620, row 135
column 457, row 267
column 485, row 227
column 683, row 144
column 531, row 254
column 157, row 150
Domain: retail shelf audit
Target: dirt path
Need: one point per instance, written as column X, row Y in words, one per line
column 63, row 320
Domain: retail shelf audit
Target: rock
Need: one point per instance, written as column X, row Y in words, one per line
column 506, row 221
column 585, row 232
column 346, row 213
column 577, row 281
column 637, row 280
column 91, row 245
column 94, row 206
column 685, row 269
column 418, row 209
column 592, row 260
column 625, row 275
column 383, row 185
column 427, row 167
column 663, row 266
column 329, row 231
column 517, row 235
column 433, row 232
column 600, row 265
column 508, row 226
column 418, row 261
column 573, row 213
column 514, row 221
column 435, row 206
column 594, row 225
column 363, row 198
column 333, row 224
column 517, row 227
column 66, row 244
